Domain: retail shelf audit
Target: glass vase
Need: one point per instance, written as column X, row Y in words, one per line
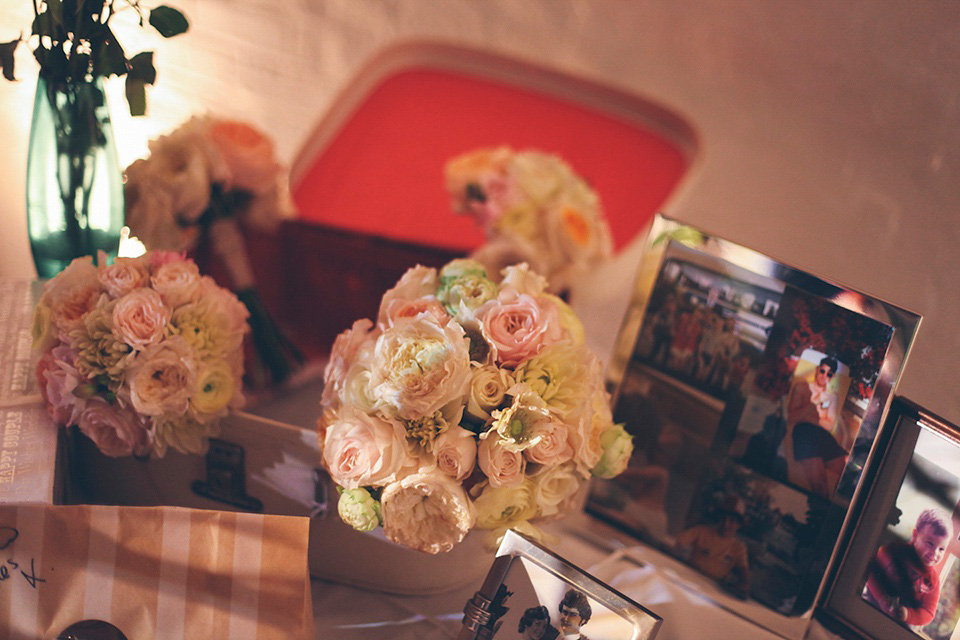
column 74, row 181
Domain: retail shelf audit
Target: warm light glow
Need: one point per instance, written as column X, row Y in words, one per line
column 130, row 246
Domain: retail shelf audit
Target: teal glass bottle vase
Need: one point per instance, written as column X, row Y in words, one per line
column 74, row 181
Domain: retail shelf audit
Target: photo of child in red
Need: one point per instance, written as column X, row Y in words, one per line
column 904, row 578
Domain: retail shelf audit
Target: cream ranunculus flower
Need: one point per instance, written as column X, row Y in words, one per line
column 427, row 512
column 456, row 452
column 555, row 488
column 359, row 509
column 503, row 467
column 362, row 450
column 505, row 506
column 216, row 389
column 488, row 388
column 161, row 378
column 617, row 447
column 140, row 318
column 419, row 367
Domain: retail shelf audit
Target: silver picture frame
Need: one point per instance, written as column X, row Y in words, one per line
column 530, row 592
column 755, row 392
column 899, row 575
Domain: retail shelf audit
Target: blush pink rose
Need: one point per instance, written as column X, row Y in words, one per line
column 456, row 452
column 342, row 355
column 123, row 276
column 159, row 258
column 417, row 283
column 361, row 450
column 554, row 446
column 140, row 318
column 503, row 468
column 428, row 512
column 177, row 282
column 59, row 379
column 518, row 326
column 115, row 430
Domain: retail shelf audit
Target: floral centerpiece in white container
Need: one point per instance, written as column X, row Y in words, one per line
column 142, row 355
column 533, row 208
column 468, row 403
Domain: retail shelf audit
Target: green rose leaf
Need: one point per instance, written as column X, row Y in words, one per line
column 6, row 58
column 109, row 58
column 168, row 21
column 141, row 66
column 136, row 95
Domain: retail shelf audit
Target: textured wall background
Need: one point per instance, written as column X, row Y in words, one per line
column 830, row 131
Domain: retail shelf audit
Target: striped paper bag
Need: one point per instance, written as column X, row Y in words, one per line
column 153, row 572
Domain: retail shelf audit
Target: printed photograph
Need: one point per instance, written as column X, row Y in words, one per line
column 533, row 604
column 914, row 576
column 801, row 418
column 705, row 326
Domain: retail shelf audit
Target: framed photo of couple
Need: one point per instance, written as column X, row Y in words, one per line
column 900, row 575
column 755, row 392
column 533, row 594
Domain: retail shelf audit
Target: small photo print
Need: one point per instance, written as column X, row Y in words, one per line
column 533, row 604
column 802, row 417
column 707, row 323
column 914, row 576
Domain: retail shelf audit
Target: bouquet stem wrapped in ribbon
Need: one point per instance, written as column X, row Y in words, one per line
column 202, row 182
column 468, row 403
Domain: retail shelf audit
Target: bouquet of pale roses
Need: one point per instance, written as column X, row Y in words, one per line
column 202, row 181
column 468, row 403
column 533, row 208
column 142, row 355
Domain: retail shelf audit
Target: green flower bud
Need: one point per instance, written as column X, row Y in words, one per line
column 617, row 447
column 359, row 510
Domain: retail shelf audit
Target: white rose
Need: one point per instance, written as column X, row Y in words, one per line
column 364, row 450
column 505, row 506
column 488, row 388
column 426, row 512
column 555, row 488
